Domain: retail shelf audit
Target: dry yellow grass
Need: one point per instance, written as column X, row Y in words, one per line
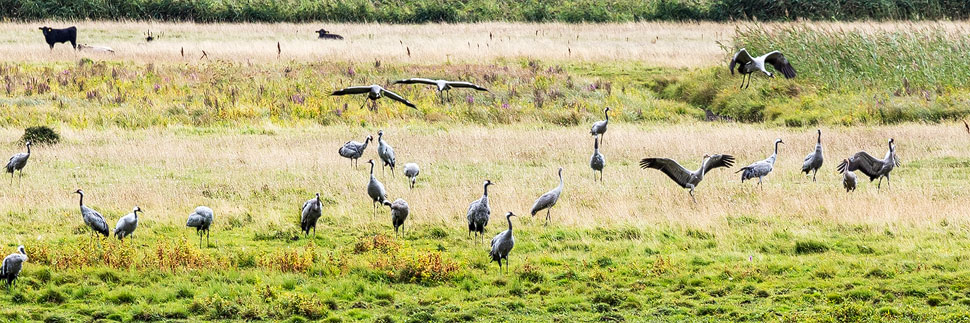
column 169, row 171
column 661, row 44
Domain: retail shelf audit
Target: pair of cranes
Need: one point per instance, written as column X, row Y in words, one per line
column 375, row 92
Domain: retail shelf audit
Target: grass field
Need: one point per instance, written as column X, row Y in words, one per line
column 254, row 136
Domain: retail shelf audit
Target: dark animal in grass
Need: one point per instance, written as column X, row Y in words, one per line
column 54, row 36
column 324, row 34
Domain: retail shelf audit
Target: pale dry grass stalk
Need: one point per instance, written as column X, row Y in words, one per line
column 168, row 171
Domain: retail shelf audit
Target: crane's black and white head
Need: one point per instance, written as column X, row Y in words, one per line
column 369, row 138
column 380, row 133
column 509, row 215
column 22, row 250
column 607, row 109
column 28, row 143
column 318, row 195
column 560, row 171
column 136, row 210
column 779, row 141
column 79, row 191
column 488, row 182
column 371, row 162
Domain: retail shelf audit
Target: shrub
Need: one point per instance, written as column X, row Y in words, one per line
column 809, row 247
column 40, row 135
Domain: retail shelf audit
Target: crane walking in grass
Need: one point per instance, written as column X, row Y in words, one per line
column 813, row 162
column 201, row 220
column 479, row 213
column 502, row 244
column 127, row 224
column 683, row 177
column 18, row 162
column 92, row 218
column 312, row 209
column 872, row 167
column 444, row 86
column 353, row 150
column 411, row 170
column 385, row 151
column 597, row 162
column 373, row 92
column 599, row 127
column 848, row 178
column 399, row 213
column 762, row 168
column 375, row 189
column 548, row 200
column 746, row 65
column 12, row 264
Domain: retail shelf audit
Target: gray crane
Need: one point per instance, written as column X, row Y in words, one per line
column 373, row 92
column 385, row 151
column 683, row 177
column 813, row 162
column 848, row 178
column 201, row 220
column 375, row 189
column 12, row 264
column 502, row 244
column 762, row 168
column 872, row 167
column 597, row 161
column 18, row 162
column 411, row 170
column 92, row 218
column 548, row 200
column 479, row 213
column 399, row 213
column 746, row 65
column 127, row 224
column 353, row 150
column 599, row 127
column 312, row 209
column 442, row 85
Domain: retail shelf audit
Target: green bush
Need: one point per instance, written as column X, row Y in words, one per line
column 40, row 135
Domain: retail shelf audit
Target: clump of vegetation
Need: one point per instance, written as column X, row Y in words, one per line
column 40, row 135
column 810, row 246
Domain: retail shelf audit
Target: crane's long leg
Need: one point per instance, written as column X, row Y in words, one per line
column 742, row 82
column 887, row 182
column 879, row 185
column 813, row 174
column 547, row 215
column 692, row 195
column 759, row 184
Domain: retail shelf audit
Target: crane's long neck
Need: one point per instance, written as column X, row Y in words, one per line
column 607, row 113
column 28, row 149
column 365, row 143
column 81, row 200
column 371, row 169
column 509, row 218
column 560, row 179
column 819, row 138
column 700, row 172
column 776, row 148
column 486, row 191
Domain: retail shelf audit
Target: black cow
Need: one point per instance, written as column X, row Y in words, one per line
column 324, row 34
column 53, row 36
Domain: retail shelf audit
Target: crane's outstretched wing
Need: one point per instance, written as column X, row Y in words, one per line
column 863, row 162
column 778, row 60
column 678, row 173
column 741, row 57
column 416, row 80
column 352, row 90
column 468, row 85
column 396, row 97
column 718, row 160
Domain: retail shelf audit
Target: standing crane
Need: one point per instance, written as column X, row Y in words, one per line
column 502, row 244
column 385, row 151
column 548, row 200
column 411, row 170
column 12, row 264
column 597, row 161
column 746, row 65
column 813, row 162
column 872, row 167
column 479, row 213
column 312, row 209
column 762, row 168
column 848, row 178
column 127, row 224
column 92, row 218
column 683, row 177
column 399, row 213
column 353, row 150
column 18, row 162
column 599, row 127
column 201, row 220
column 375, row 189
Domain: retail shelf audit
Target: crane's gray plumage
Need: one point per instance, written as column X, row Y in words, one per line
column 310, row 213
column 479, row 213
column 127, row 224
column 597, row 161
column 682, row 176
column 848, row 178
column 746, row 65
column 373, row 92
column 353, row 150
column 762, row 168
column 502, row 244
column 814, row 160
column 442, row 85
column 375, row 189
column 12, row 264
column 18, row 162
column 411, row 170
column 92, row 218
column 201, row 220
column 385, row 151
column 872, row 167
column 599, row 127
column 399, row 213
column 548, row 200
